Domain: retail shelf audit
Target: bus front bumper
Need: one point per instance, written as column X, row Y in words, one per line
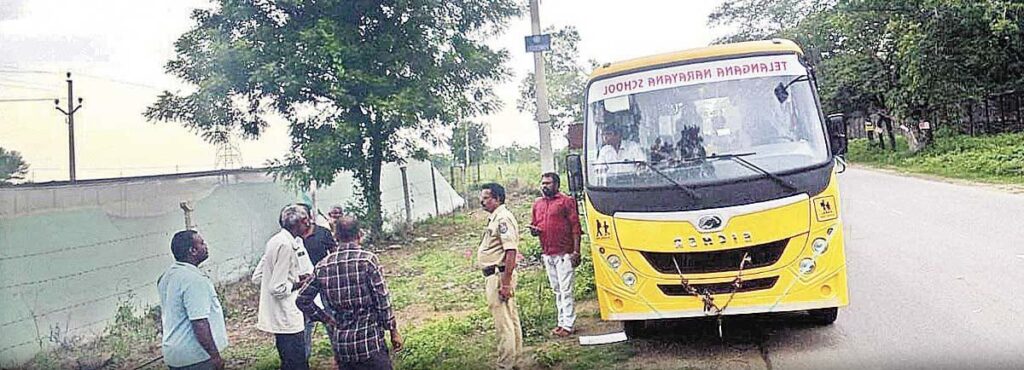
column 791, row 292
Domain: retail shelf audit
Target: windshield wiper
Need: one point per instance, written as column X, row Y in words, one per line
column 738, row 157
column 688, row 190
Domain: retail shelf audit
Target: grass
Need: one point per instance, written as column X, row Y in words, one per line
column 994, row 159
column 436, row 280
column 130, row 339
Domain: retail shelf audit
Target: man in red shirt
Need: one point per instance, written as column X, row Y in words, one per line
column 557, row 223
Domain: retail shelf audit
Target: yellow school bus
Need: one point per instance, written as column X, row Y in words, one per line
column 708, row 178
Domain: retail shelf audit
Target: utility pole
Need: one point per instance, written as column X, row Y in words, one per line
column 547, row 162
column 465, row 171
column 70, row 113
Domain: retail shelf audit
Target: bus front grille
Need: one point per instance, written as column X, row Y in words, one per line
column 721, row 288
column 716, row 261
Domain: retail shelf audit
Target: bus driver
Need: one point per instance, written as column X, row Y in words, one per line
column 616, row 150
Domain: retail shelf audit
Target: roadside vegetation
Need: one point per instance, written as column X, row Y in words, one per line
column 996, row 159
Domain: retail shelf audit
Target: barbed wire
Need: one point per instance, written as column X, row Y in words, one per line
column 76, row 305
column 83, row 303
column 79, row 327
column 80, row 273
column 13, row 346
column 417, row 189
column 83, row 246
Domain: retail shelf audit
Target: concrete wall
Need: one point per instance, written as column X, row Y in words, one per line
column 70, row 253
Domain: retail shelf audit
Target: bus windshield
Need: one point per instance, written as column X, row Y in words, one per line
column 681, row 125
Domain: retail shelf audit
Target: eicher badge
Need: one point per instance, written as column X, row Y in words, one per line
column 502, row 228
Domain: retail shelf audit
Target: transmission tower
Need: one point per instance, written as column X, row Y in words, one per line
column 228, row 156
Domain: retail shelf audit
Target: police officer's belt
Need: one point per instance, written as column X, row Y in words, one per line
column 491, row 270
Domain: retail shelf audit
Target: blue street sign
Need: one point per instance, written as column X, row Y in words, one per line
column 538, row 43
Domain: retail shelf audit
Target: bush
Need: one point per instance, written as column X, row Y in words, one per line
column 997, row 158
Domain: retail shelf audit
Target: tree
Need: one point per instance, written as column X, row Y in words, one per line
column 566, row 80
column 895, row 58
column 514, row 153
column 12, row 167
column 763, row 19
column 360, row 82
column 477, row 142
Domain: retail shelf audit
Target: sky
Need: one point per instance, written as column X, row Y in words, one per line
column 116, row 51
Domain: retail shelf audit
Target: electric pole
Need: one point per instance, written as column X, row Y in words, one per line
column 70, row 113
column 465, row 168
column 547, row 162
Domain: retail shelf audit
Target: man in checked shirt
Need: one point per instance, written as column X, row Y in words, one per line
column 351, row 283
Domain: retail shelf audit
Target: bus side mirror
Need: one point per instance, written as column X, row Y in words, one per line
column 837, row 133
column 574, row 166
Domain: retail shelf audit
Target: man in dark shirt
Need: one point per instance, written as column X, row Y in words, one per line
column 319, row 243
column 318, row 240
column 351, row 284
column 557, row 223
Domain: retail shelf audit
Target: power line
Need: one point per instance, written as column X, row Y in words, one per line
column 124, row 82
column 27, row 71
column 90, row 75
column 17, row 84
column 24, row 100
column 26, row 87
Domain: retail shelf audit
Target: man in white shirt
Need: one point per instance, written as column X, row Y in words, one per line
column 617, row 150
column 284, row 268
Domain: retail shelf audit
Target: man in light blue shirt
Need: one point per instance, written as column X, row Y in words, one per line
column 193, row 322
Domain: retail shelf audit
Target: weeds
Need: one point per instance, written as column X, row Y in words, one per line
column 129, row 339
column 996, row 158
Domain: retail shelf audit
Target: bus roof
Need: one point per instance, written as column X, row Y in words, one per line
column 713, row 51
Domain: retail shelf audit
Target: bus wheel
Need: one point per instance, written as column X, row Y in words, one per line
column 635, row 328
column 824, row 316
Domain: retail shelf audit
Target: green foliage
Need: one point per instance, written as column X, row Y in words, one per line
column 12, row 167
column 536, row 302
column 896, row 57
column 127, row 337
column 761, row 19
column 584, row 284
column 449, row 343
column 998, row 158
column 557, row 355
column 513, row 154
column 602, row 357
column 477, row 142
column 529, row 247
column 566, row 79
column 552, row 355
column 262, row 356
column 360, row 83
column 131, row 325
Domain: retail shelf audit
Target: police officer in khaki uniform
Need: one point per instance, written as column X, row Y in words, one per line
column 497, row 257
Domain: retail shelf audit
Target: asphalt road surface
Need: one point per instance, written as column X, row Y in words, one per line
column 936, row 274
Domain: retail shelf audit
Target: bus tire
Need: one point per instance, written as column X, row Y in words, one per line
column 824, row 316
column 635, row 328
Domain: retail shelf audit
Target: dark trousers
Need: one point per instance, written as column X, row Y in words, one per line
column 379, row 360
column 292, row 349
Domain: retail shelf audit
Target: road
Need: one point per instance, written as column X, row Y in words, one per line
column 936, row 281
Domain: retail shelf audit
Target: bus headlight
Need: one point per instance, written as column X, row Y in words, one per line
column 614, row 262
column 806, row 266
column 819, row 246
column 629, row 279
